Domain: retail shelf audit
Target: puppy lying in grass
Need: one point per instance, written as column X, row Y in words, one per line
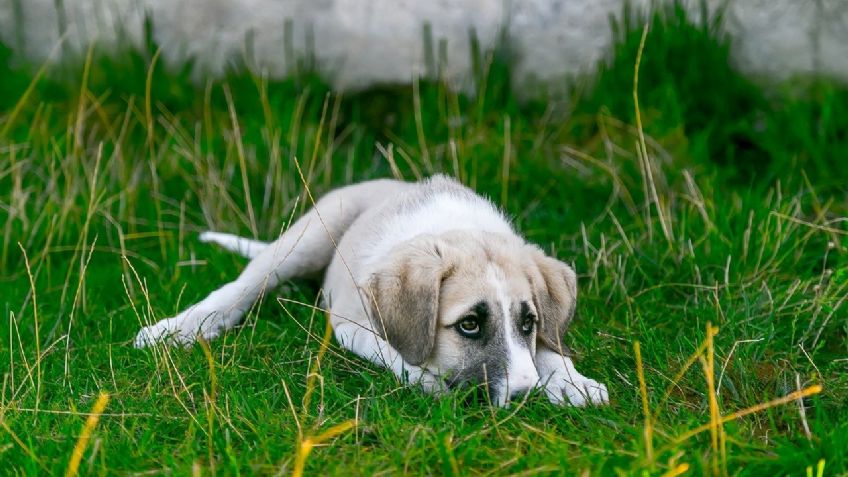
column 427, row 279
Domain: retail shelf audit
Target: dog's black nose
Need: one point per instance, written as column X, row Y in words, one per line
column 518, row 393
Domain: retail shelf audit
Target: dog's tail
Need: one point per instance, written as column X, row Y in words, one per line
column 240, row 245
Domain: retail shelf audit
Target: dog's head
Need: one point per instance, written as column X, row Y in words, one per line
column 472, row 308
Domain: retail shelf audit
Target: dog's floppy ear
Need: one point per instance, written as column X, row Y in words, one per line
column 555, row 293
column 404, row 296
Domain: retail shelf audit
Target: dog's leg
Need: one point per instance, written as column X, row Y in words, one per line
column 304, row 249
column 353, row 330
column 240, row 245
column 365, row 343
column 563, row 384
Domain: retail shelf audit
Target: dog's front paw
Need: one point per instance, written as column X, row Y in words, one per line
column 166, row 331
column 576, row 390
column 181, row 330
column 429, row 382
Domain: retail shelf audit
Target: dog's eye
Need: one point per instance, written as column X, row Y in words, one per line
column 528, row 323
column 469, row 327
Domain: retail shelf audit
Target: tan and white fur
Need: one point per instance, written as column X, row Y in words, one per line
column 427, row 279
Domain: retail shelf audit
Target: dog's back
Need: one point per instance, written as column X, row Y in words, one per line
column 433, row 206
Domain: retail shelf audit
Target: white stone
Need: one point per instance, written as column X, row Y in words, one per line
column 357, row 43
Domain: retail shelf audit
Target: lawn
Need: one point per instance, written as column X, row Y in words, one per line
column 707, row 226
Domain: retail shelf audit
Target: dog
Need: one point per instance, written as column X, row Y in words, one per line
column 427, row 279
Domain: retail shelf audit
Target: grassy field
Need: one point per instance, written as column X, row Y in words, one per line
column 710, row 227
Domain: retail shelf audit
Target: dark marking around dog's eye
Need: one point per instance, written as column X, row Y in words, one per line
column 527, row 320
column 481, row 310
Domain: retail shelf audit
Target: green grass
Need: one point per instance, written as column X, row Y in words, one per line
column 103, row 189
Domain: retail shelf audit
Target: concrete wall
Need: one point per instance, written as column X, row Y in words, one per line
column 356, row 43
